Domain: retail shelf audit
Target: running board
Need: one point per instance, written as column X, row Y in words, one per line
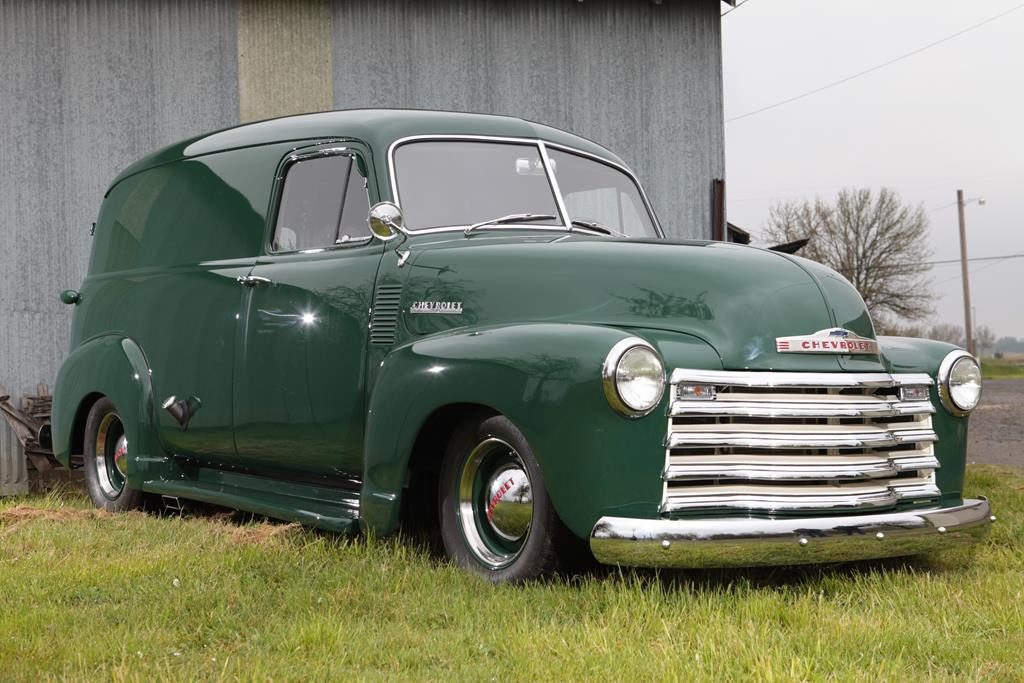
column 324, row 507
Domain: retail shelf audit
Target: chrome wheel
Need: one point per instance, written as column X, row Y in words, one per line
column 111, row 449
column 495, row 503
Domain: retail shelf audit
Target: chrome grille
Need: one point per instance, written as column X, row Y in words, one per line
column 779, row 442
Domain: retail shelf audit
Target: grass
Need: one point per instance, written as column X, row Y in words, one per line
column 992, row 368
column 92, row 596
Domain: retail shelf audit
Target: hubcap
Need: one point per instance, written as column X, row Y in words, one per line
column 111, row 455
column 495, row 503
column 510, row 503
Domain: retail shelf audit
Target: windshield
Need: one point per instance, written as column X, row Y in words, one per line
column 601, row 194
column 458, row 183
column 446, row 183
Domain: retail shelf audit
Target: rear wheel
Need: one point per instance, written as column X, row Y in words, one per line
column 496, row 517
column 106, row 460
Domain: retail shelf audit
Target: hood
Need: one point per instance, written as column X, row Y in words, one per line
column 738, row 299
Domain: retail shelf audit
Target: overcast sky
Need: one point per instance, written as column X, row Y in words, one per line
column 950, row 117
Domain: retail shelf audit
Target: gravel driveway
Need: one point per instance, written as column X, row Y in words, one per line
column 996, row 432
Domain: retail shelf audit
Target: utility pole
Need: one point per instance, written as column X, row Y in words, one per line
column 968, row 330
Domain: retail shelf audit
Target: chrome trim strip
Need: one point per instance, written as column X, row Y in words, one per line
column 735, row 542
column 874, row 408
column 791, row 468
column 847, row 496
column 771, row 502
column 781, row 438
column 797, row 379
column 916, row 460
column 537, row 142
column 945, row 368
column 878, row 469
column 314, row 154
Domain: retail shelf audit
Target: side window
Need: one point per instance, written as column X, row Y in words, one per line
column 323, row 203
column 356, row 208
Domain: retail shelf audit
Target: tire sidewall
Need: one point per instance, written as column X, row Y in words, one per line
column 128, row 498
column 536, row 557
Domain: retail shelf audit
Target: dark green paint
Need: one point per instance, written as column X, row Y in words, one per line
column 688, row 287
column 298, row 408
column 924, row 355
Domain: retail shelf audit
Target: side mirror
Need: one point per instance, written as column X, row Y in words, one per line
column 385, row 221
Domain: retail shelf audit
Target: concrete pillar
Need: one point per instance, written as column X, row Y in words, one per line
column 284, row 58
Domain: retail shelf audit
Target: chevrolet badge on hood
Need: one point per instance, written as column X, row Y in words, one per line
column 834, row 340
column 438, row 307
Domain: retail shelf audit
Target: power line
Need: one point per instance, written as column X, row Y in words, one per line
column 874, row 68
column 976, row 259
column 939, row 208
column 957, row 277
column 970, row 260
column 948, row 262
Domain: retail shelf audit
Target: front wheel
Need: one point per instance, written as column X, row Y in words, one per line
column 106, row 460
column 496, row 517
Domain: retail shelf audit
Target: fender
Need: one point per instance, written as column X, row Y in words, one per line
column 908, row 354
column 114, row 366
column 546, row 378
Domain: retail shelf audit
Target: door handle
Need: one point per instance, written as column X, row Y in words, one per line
column 253, row 280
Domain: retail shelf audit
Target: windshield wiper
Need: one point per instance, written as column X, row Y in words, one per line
column 512, row 218
column 598, row 227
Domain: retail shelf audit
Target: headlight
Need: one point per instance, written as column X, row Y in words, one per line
column 634, row 377
column 960, row 382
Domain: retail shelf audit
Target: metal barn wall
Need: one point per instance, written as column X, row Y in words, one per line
column 88, row 86
column 642, row 78
column 284, row 57
column 85, row 89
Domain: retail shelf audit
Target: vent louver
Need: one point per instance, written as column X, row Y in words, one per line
column 384, row 319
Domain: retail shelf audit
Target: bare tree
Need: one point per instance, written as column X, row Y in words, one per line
column 875, row 241
column 984, row 338
column 952, row 334
column 901, row 330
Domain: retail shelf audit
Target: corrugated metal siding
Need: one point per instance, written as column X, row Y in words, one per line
column 284, row 57
column 85, row 89
column 643, row 79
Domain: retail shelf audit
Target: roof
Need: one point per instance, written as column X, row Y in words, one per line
column 378, row 128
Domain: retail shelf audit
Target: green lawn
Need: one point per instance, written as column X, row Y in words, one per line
column 1001, row 369
column 85, row 595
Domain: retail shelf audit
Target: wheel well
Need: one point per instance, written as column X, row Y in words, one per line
column 419, row 501
column 78, row 428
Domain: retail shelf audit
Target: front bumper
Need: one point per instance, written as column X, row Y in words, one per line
column 700, row 543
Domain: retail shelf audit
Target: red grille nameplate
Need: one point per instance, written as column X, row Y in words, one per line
column 835, row 340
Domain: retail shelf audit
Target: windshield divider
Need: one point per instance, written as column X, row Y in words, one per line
column 559, row 201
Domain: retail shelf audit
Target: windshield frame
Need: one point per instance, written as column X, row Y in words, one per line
column 542, row 148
